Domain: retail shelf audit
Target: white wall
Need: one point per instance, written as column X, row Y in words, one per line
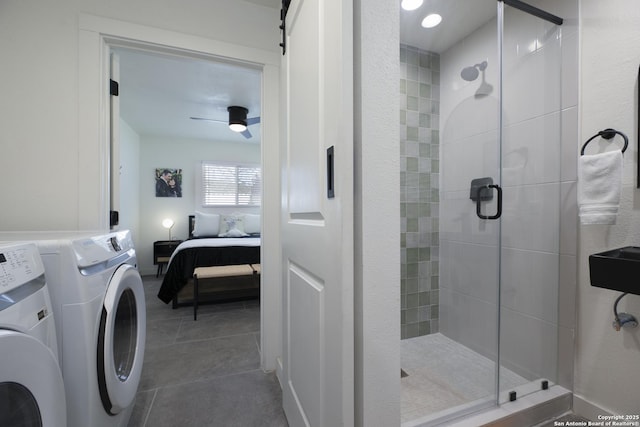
column 538, row 178
column 377, row 213
column 159, row 152
column 606, row 372
column 43, row 148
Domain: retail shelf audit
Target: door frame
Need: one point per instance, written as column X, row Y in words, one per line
column 96, row 35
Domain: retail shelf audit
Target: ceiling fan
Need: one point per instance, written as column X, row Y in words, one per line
column 238, row 120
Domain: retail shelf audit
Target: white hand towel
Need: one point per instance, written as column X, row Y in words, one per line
column 599, row 185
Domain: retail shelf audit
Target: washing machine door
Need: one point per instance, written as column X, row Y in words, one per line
column 121, row 340
column 31, row 387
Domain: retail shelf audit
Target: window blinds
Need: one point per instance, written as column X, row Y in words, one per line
column 231, row 185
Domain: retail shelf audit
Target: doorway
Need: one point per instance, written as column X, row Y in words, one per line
column 97, row 36
column 173, row 116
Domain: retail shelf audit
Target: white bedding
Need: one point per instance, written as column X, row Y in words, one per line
column 219, row 243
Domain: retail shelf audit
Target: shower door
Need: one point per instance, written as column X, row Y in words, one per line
column 471, row 214
column 531, row 111
column 499, row 101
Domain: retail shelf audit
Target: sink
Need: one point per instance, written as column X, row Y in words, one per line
column 617, row 269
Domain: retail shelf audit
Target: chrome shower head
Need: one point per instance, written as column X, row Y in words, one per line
column 471, row 73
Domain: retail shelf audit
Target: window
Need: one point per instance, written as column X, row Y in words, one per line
column 225, row 184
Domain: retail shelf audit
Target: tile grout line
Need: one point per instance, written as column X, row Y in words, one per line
column 204, row 380
column 177, row 334
column 255, row 337
column 153, row 399
column 216, row 337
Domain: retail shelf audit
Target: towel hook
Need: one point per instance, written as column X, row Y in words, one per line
column 607, row 134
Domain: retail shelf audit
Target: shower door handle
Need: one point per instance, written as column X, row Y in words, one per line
column 479, row 201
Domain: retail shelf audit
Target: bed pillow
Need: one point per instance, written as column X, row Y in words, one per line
column 252, row 223
column 232, row 226
column 206, row 225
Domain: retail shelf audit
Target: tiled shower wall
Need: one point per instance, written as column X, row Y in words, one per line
column 419, row 199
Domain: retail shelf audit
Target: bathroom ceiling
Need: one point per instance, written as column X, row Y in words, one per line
column 459, row 18
column 158, row 93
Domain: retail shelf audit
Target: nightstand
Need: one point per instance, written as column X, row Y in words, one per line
column 162, row 250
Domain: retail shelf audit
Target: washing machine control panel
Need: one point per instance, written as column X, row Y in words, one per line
column 19, row 264
column 94, row 250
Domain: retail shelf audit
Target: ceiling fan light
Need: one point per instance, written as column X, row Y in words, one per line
column 237, row 127
column 237, row 118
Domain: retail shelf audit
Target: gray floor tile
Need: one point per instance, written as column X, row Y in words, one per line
column 258, row 343
column 144, row 400
column 252, row 303
column 204, row 309
column 196, row 360
column 231, row 322
column 204, row 373
column 162, row 332
column 157, row 309
column 247, row 399
column 161, row 311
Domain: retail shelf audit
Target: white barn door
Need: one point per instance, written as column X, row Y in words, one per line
column 317, row 223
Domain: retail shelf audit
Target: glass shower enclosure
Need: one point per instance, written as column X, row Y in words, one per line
column 481, row 107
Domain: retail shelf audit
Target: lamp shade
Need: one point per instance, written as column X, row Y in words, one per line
column 168, row 223
column 237, row 118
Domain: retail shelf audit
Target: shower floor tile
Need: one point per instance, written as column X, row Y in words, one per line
column 443, row 374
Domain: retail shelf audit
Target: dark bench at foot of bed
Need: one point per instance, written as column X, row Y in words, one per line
column 221, row 273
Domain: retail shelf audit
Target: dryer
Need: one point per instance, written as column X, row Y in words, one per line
column 99, row 306
column 31, row 386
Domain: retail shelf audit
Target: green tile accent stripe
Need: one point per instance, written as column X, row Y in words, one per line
column 419, row 89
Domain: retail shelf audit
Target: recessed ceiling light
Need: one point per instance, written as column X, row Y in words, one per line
column 431, row 21
column 411, row 4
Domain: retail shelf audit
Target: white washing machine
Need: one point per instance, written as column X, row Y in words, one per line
column 31, row 386
column 99, row 307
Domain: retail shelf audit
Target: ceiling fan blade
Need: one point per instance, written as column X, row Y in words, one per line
column 246, row 133
column 209, row 120
column 253, row 121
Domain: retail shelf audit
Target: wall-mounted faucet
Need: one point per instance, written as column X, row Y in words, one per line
column 623, row 320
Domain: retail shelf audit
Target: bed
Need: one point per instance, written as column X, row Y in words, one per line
column 205, row 248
